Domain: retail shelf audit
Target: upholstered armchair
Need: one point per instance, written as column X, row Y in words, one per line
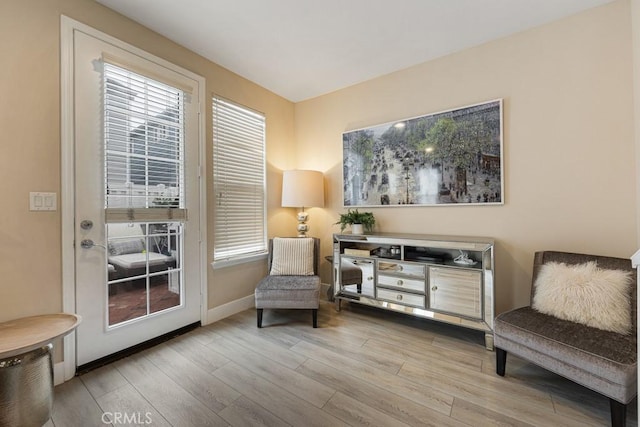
column 293, row 281
column 581, row 324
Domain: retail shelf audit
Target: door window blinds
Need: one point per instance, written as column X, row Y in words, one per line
column 144, row 147
column 238, row 181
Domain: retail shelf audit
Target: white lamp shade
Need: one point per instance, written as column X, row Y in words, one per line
column 302, row 188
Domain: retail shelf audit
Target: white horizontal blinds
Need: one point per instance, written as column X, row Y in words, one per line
column 238, row 181
column 144, row 147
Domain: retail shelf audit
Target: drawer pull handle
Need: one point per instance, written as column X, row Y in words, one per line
column 399, row 297
column 435, row 288
column 400, row 282
column 399, row 268
column 370, row 278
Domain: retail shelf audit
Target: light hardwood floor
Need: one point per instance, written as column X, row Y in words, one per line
column 360, row 367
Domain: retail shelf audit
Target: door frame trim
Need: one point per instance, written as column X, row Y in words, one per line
column 67, row 173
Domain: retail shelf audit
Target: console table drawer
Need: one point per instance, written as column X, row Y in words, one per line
column 401, row 297
column 416, row 270
column 402, row 282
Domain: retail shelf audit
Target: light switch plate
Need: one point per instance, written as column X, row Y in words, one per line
column 43, row 201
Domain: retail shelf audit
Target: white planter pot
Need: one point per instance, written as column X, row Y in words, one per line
column 357, row 229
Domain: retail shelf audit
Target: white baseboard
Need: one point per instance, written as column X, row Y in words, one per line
column 230, row 308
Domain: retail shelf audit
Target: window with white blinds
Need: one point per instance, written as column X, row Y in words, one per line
column 238, row 181
column 144, row 147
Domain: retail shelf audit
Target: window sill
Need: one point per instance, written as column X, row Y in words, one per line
column 237, row 261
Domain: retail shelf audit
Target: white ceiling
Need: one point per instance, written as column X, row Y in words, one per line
column 300, row 49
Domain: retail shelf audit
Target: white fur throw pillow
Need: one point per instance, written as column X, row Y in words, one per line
column 292, row 256
column 585, row 293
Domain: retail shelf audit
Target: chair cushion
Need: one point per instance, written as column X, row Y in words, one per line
column 139, row 260
column 288, row 292
column 602, row 360
column 586, row 294
column 129, row 246
column 292, row 256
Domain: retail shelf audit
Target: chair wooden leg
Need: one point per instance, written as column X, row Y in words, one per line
column 618, row 413
column 314, row 314
column 501, row 361
column 259, row 312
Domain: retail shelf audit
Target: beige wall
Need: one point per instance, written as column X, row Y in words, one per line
column 568, row 141
column 635, row 25
column 569, row 151
column 30, row 260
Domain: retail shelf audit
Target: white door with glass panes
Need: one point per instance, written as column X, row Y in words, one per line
column 137, row 195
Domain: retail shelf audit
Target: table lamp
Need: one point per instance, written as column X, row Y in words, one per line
column 300, row 189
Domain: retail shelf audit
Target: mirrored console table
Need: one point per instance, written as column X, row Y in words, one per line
column 443, row 278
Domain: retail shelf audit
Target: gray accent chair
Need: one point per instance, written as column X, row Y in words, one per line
column 603, row 361
column 290, row 292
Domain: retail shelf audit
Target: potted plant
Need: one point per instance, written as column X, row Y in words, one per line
column 357, row 220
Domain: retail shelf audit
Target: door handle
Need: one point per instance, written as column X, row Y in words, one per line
column 88, row 244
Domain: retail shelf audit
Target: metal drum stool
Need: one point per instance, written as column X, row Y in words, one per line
column 26, row 367
column 26, row 388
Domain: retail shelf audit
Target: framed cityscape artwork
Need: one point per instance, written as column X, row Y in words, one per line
column 448, row 158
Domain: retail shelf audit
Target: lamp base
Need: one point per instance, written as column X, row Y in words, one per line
column 302, row 226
